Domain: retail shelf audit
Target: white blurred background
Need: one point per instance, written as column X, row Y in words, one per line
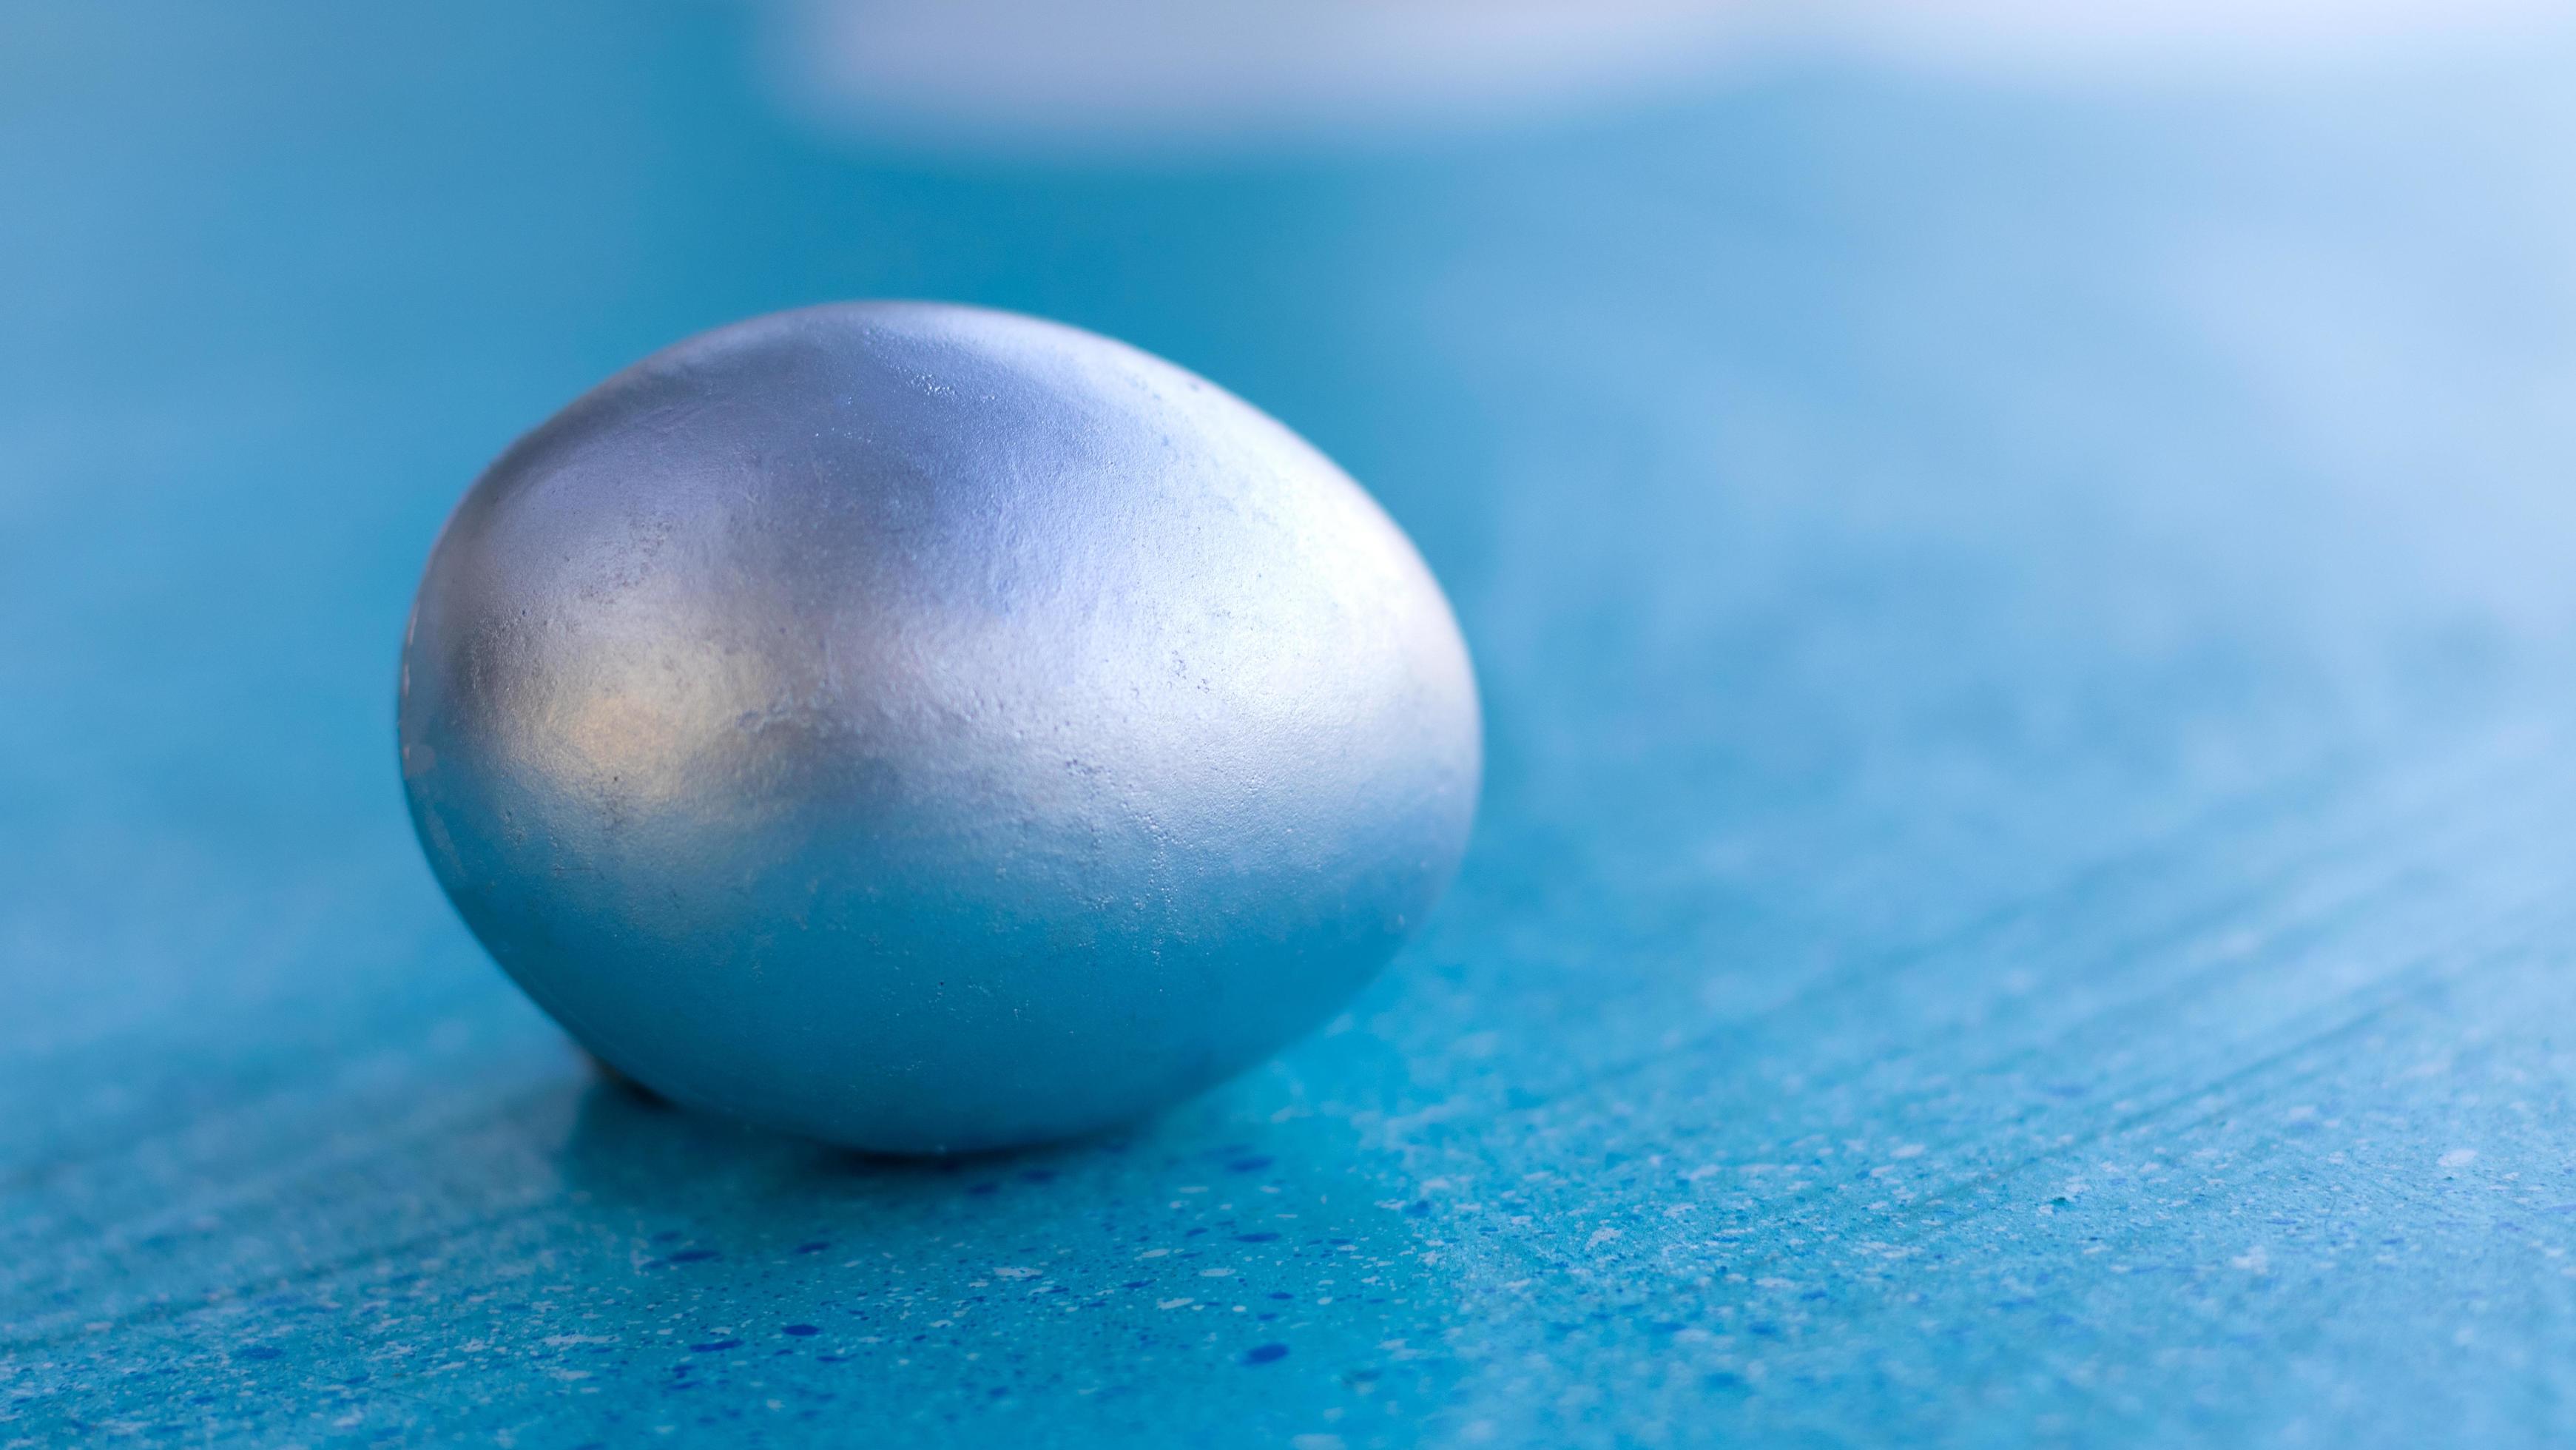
column 1162, row 76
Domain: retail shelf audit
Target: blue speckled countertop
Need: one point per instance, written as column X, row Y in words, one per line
column 2024, row 894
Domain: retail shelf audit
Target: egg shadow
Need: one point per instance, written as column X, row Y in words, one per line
column 629, row 1147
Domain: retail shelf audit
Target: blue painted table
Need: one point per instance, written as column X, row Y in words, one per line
column 2024, row 893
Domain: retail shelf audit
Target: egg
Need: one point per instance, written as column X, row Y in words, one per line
column 931, row 729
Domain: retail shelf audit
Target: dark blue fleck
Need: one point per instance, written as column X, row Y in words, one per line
column 1265, row 1353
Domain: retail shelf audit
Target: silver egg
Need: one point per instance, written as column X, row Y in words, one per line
column 931, row 729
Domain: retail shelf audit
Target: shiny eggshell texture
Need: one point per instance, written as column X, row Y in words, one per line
column 932, row 729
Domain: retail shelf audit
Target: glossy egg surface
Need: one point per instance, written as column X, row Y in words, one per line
column 931, row 729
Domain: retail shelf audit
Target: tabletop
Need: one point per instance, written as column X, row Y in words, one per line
column 2023, row 893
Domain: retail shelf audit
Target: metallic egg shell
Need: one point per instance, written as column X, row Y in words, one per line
column 931, row 729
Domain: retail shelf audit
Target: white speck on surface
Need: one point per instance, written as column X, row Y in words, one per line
column 2459, row 1157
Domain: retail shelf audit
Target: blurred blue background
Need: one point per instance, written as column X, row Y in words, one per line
column 2022, row 587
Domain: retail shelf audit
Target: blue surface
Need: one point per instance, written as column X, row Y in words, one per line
column 2024, row 887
